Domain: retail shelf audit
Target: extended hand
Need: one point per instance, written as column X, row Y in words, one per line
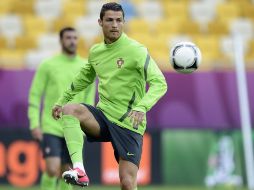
column 57, row 112
column 136, row 118
column 37, row 134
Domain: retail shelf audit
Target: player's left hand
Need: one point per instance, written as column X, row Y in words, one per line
column 136, row 118
column 57, row 112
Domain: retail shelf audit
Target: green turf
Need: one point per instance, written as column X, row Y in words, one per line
column 117, row 188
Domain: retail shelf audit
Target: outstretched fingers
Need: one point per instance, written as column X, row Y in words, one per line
column 136, row 118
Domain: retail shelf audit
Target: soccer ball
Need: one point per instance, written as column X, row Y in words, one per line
column 185, row 57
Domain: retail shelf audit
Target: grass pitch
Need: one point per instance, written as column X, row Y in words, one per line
column 93, row 187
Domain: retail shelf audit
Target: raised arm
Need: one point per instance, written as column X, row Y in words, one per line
column 157, row 85
column 84, row 78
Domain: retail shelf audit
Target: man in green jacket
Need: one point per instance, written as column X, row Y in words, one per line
column 123, row 67
column 51, row 79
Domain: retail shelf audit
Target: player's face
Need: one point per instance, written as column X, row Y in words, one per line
column 112, row 25
column 69, row 42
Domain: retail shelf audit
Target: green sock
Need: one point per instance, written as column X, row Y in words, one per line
column 74, row 137
column 47, row 182
column 63, row 186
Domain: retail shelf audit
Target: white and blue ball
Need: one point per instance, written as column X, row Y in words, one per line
column 185, row 57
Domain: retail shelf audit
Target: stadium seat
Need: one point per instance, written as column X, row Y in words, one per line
column 202, row 12
column 248, row 10
column 169, row 26
column 65, row 21
column 150, row 10
column 83, row 46
column 11, row 59
column 178, row 38
column 176, row 9
column 210, row 48
column 93, row 7
column 249, row 56
column 228, row 11
column 190, row 27
column 162, row 60
column 3, row 43
column 11, row 26
column 97, row 39
column 218, row 27
column 34, row 25
column 88, row 27
column 138, row 25
column 25, row 42
column 34, row 57
column 22, row 7
column 49, row 42
column 5, row 7
column 48, row 9
column 160, row 52
column 76, row 8
column 243, row 27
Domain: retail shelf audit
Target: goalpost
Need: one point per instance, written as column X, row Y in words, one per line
column 244, row 109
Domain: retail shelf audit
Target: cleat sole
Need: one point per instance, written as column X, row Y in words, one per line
column 71, row 180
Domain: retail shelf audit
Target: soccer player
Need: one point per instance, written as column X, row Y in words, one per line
column 51, row 79
column 123, row 67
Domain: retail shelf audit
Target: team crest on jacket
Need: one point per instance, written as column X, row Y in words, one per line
column 120, row 62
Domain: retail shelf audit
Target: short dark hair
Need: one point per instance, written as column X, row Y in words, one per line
column 110, row 6
column 65, row 29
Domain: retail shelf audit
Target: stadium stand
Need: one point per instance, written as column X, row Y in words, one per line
column 210, row 24
column 34, row 25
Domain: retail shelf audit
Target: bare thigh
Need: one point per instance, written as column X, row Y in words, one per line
column 88, row 123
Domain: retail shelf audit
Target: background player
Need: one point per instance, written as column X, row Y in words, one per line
column 51, row 79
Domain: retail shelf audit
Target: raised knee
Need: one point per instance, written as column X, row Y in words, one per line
column 127, row 183
column 68, row 109
column 72, row 109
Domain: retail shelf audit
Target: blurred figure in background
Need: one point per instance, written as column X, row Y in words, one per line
column 53, row 76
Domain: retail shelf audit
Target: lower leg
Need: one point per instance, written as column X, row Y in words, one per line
column 64, row 186
column 49, row 177
column 74, row 139
column 48, row 182
column 128, row 175
column 75, row 116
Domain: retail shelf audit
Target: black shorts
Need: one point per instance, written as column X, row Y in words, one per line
column 54, row 146
column 126, row 143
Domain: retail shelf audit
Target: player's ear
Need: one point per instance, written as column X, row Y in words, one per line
column 100, row 22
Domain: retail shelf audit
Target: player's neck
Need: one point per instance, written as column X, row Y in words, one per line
column 108, row 41
column 69, row 55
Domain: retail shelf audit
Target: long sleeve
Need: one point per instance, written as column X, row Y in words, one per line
column 84, row 78
column 36, row 92
column 157, row 85
column 90, row 94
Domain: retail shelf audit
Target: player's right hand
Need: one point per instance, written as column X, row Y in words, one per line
column 57, row 112
column 37, row 134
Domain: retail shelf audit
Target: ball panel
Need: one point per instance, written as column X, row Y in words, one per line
column 185, row 57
